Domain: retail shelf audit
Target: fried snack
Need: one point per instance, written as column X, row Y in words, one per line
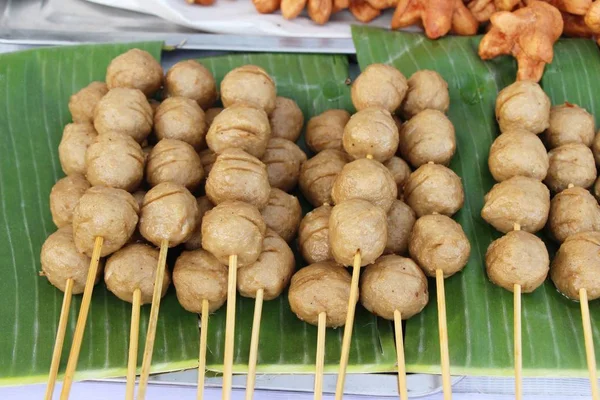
column 135, row 69
column 379, row 85
column 518, row 200
column 426, row 90
column 201, row 3
column 313, row 235
column 575, row 26
column 282, row 214
column 572, row 211
column 75, row 141
column 266, row 6
column 283, row 160
column 290, row 9
column 482, row 10
column 570, row 123
column 193, row 80
column 528, row 34
column 82, row 103
column 400, row 221
column 64, row 196
column 438, row 17
column 319, row 10
column 382, row 4
column 251, row 85
column 400, row 171
column 523, row 105
column 507, row 5
column 574, row 7
column 572, row 163
column 371, row 132
column 325, row 131
column 518, row 257
column 286, row 119
column 518, row 152
column 433, row 188
column 592, row 17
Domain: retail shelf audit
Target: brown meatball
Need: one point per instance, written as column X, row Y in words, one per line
column 438, row 242
column 428, row 137
column 570, row 123
column 62, row 261
column 234, row 228
column 518, row 152
column 433, row 188
column 282, row 214
column 596, row 148
column 357, row 225
column 427, row 90
column 182, row 119
column 197, row 276
column 174, row 161
column 75, row 141
column 394, row 283
column 318, row 174
column 400, row 221
column 572, row 211
column 271, row 272
column 195, row 240
column 379, row 85
column 207, row 158
column 286, row 119
column 210, row 115
column 193, row 80
column 124, row 111
column 139, row 197
column 83, row 103
column 313, row 235
column 115, row 160
column 523, row 105
column 323, row 287
column 169, row 212
column 400, row 171
column 283, row 160
column 134, row 267
column 596, row 189
column 518, row 257
column 518, row 200
column 371, row 132
column 240, row 126
column 249, row 84
column 236, row 175
column 325, row 131
column 576, row 266
column 368, row 180
column 135, row 69
column 64, row 196
column 104, row 212
column 572, row 163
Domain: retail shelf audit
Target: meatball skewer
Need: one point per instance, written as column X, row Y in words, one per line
column 168, row 218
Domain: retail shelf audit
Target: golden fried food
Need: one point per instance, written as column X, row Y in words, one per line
column 249, row 84
column 528, row 34
column 570, row 123
column 523, row 105
column 571, row 164
column 325, row 131
column 290, row 9
column 64, row 196
column 380, row 86
column 427, row 90
column 574, row 7
column 592, row 17
column 437, row 17
column 319, row 10
column 286, row 119
column 266, row 6
column 518, row 152
column 318, row 174
column 193, row 80
column 83, row 103
column 433, row 188
column 135, row 69
column 371, row 132
column 363, row 11
column 482, row 10
column 313, row 235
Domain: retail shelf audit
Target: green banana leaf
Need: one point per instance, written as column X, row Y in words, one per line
column 480, row 314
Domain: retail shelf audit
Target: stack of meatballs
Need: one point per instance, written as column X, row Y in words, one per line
column 543, row 151
column 368, row 199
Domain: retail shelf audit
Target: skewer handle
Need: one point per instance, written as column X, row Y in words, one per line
column 589, row 341
column 202, row 356
column 518, row 343
column 134, row 334
column 443, row 328
column 81, row 319
column 60, row 339
column 320, row 361
column 229, row 327
column 258, row 303
column 151, row 333
column 400, row 356
column 339, row 390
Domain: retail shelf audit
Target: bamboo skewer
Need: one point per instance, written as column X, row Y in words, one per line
column 320, row 358
column 589, row 342
column 518, row 343
column 151, row 333
column 402, row 391
column 134, row 333
column 81, row 319
column 60, row 338
column 254, row 344
column 229, row 327
column 339, row 391
column 202, row 355
column 443, row 328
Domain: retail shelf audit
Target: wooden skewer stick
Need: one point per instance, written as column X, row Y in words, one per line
column 589, row 341
column 443, row 328
column 81, row 319
column 60, row 338
column 134, row 333
column 258, row 303
column 202, row 356
column 229, row 327
column 400, row 356
column 151, row 333
column 518, row 350
column 320, row 361
column 339, row 390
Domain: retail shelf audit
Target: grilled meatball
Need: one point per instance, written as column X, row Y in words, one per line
column 313, row 235
column 282, row 214
column 283, row 160
column 427, row 90
column 195, row 240
column 571, row 163
column 182, row 119
column 570, row 124
column 286, row 119
column 572, row 211
column 210, row 114
column 400, row 221
column 83, row 103
column 64, row 196
column 433, row 188
column 379, row 85
column 523, row 105
column 75, row 141
column 518, row 152
column 251, row 85
column 400, row 171
column 207, row 158
column 135, row 69
column 318, row 174
column 193, row 80
column 325, row 131
column 371, row 132
column 174, row 161
column 124, row 111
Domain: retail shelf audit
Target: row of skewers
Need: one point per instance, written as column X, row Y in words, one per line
column 520, row 205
